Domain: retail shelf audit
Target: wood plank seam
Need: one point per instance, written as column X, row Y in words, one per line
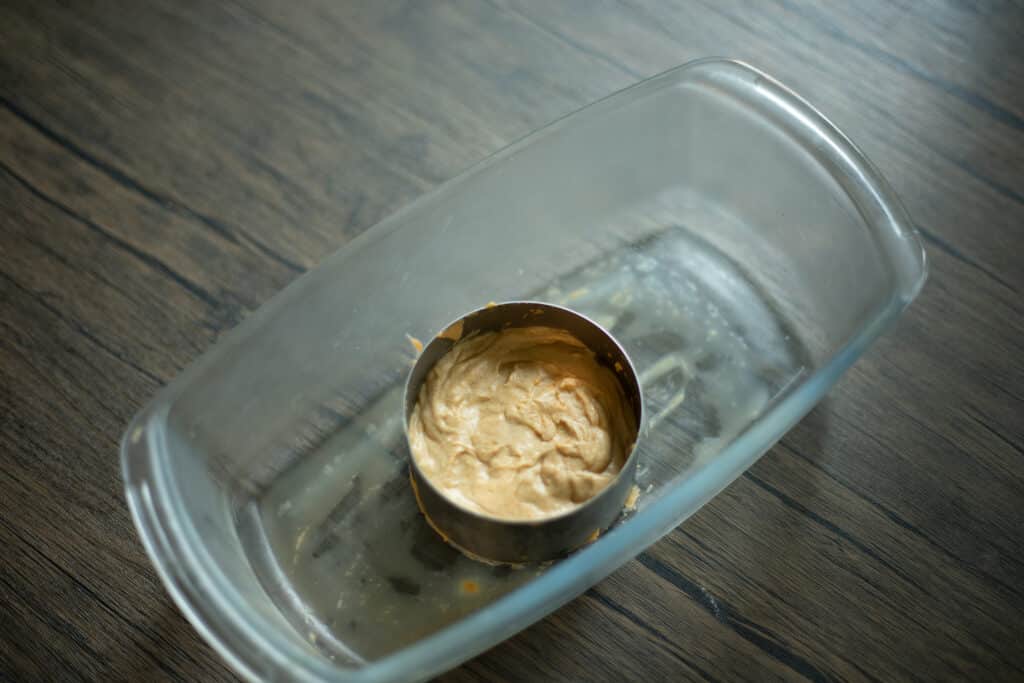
column 230, row 234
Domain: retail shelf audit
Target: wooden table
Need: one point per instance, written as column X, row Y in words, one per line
column 167, row 166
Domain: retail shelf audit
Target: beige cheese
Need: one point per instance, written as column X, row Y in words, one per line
column 521, row 424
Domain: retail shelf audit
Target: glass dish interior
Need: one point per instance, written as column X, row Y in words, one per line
column 738, row 247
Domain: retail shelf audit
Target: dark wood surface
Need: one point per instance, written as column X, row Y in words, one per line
column 167, row 166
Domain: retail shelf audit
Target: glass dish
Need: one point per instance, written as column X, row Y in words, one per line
column 740, row 248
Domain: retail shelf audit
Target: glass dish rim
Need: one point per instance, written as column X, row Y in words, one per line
column 245, row 639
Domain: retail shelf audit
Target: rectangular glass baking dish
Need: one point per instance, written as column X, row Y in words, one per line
column 741, row 249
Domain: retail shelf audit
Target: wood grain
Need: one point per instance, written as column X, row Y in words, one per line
column 166, row 167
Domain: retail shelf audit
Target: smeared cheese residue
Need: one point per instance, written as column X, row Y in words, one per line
column 454, row 331
column 631, row 499
column 416, row 343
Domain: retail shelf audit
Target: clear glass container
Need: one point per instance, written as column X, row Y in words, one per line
column 740, row 248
